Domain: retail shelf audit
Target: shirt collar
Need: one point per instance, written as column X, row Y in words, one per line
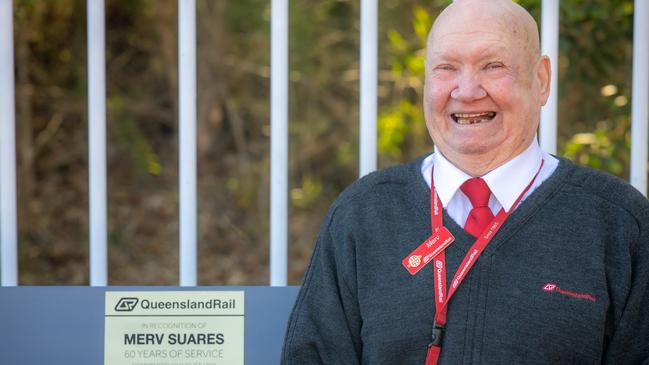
column 448, row 178
column 506, row 182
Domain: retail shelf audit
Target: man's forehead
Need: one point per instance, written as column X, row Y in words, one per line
column 480, row 50
column 481, row 42
column 477, row 25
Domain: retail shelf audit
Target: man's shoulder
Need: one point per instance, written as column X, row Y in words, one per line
column 601, row 185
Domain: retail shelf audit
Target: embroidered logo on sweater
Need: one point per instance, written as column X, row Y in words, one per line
column 549, row 287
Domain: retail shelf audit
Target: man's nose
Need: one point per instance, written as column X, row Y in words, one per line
column 468, row 88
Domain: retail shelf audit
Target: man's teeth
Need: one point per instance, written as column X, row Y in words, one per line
column 472, row 118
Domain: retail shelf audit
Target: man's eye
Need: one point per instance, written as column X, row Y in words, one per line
column 444, row 67
column 494, row 65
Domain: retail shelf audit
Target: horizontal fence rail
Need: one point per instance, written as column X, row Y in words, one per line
column 279, row 124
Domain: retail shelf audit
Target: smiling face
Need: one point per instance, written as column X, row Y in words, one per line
column 485, row 83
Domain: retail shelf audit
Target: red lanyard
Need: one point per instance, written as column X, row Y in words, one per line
column 439, row 267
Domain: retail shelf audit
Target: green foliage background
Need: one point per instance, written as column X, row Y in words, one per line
column 233, row 124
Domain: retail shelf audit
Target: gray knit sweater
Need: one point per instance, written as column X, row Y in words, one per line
column 565, row 280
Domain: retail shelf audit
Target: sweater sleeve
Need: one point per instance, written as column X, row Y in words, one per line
column 324, row 327
column 629, row 343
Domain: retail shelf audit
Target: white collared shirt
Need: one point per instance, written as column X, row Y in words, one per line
column 506, row 182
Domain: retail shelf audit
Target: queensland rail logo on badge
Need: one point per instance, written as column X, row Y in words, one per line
column 414, row 261
column 174, row 328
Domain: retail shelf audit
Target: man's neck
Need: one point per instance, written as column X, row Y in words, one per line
column 478, row 165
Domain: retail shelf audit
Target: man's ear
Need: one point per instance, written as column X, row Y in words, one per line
column 543, row 77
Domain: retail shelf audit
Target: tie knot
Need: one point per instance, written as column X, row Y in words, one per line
column 477, row 191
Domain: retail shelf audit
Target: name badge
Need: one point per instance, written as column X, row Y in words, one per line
column 427, row 251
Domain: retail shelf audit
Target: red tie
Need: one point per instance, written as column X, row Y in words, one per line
column 480, row 216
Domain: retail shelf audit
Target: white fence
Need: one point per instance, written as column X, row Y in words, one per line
column 279, row 127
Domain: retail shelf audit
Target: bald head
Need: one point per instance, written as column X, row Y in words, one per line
column 508, row 17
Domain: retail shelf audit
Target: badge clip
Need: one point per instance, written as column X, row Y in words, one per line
column 437, row 334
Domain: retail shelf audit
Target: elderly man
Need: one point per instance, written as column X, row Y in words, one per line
column 489, row 250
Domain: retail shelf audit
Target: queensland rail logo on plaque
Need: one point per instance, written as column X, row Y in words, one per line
column 174, row 328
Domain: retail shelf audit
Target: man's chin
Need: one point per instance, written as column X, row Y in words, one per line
column 475, row 150
column 475, row 147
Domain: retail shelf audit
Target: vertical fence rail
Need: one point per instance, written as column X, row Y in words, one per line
column 279, row 142
column 8, row 213
column 640, row 96
column 97, row 142
column 187, row 140
column 550, row 47
column 368, row 85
